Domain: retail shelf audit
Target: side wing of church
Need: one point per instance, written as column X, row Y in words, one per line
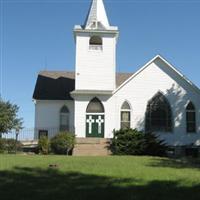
column 95, row 99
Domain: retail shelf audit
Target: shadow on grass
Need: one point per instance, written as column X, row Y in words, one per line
column 36, row 183
column 180, row 163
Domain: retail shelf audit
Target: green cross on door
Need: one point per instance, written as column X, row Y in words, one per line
column 95, row 125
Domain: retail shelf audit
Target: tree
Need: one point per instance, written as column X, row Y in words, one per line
column 8, row 117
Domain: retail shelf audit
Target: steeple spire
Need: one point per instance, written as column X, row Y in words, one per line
column 97, row 18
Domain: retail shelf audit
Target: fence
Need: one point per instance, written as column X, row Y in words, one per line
column 29, row 134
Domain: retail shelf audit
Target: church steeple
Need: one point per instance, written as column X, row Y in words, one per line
column 95, row 51
column 96, row 17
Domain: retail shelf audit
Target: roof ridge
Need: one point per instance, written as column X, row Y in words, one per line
column 55, row 71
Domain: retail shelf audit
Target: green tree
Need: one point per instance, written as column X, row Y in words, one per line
column 8, row 117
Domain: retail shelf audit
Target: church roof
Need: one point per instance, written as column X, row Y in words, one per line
column 57, row 85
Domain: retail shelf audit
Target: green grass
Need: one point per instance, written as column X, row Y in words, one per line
column 25, row 177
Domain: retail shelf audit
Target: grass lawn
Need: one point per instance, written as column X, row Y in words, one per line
column 25, row 177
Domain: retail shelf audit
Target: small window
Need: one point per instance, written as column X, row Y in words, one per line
column 64, row 119
column 42, row 133
column 190, row 118
column 125, row 116
column 95, row 43
column 95, row 40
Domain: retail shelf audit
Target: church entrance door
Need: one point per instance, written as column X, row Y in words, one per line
column 95, row 125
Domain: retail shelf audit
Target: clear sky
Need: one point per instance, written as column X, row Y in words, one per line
column 37, row 35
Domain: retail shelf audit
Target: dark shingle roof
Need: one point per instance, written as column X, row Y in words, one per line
column 57, row 85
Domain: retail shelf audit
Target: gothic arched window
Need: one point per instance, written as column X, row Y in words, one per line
column 95, row 106
column 64, row 119
column 158, row 114
column 125, row 116
column 190, row 118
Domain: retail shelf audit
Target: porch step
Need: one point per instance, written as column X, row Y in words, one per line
column 92, row 140
column 91, row 147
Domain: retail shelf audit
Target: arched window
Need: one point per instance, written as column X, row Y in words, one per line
column 125, row 116
column 95, row 106
column 95, row 43
column 64, row 119
column 190, row 118
column 95, row 40
column 158, row 114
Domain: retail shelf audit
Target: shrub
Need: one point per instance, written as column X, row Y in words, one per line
column 12, row 145
column 43, row 145
column 133, row 142
column 154, row 145
column 62, row 143
column 2, row 145
column 9, row 145
column 128, row 142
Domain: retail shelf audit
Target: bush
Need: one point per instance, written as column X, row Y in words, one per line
column 133, row 142
column 12, row 145
column 9, row 145
column 155, row 146
column 62, row 143
column 2, row 145
column 128, row 142
column 43, row 145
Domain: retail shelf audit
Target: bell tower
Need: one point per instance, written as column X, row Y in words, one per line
column 96, row 41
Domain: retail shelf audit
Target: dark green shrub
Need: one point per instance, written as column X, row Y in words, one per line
column 154, row 145
column 2, row 145
column 128, row 142
column 62, row 143
column 43, row 145
column 9, row 145
column 133, row 142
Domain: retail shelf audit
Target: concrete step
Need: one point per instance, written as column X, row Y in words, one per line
column 91, row 147
column 92, row 140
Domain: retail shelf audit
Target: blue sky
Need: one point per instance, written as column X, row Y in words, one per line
column 37, row 35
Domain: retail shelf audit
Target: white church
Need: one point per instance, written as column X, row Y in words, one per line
column 94, row 100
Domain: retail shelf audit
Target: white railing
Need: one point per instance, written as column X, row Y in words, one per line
column 95, row 47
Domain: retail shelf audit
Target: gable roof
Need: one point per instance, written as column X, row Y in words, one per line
column 168, row 64
column 57, row 85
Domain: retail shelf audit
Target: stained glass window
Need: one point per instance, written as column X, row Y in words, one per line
column 158, row 114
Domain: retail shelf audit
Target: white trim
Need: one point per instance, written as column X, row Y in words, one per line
column 125, row 109
column 165, row 61
column 95, row 113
